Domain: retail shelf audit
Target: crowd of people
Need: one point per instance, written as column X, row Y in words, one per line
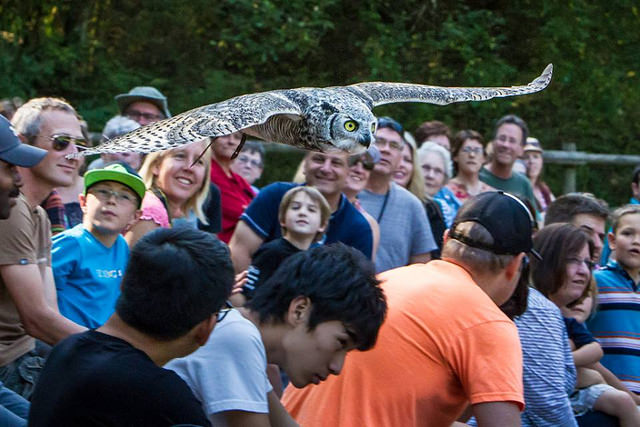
column 167, row 289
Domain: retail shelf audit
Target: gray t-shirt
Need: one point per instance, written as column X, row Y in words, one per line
column 404, row 226
column 228, row 373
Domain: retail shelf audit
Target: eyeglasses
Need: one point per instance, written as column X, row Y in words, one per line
column 105, row 194
column 474, row 150
column 388, row 122
column 577, row 261
column 136, row 115
column 367, row 162
column 252, row 162
column 394, row 145
column 61, row 142
column 224, row 311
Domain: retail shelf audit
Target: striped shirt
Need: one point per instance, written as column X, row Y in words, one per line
column 616, row 324
column 549, row 371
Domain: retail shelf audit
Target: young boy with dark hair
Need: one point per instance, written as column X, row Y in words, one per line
column 88, row 261
column 317, row 306
column 304, row 215
column 616, row 323
column 176, row 282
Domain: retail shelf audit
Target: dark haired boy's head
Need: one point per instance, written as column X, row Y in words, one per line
column 328, row 294
column 175, row 279
column 509, row 136
column 340, row 283
column 582, row 210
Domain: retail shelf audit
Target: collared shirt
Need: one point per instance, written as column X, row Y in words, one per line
column 616, row 323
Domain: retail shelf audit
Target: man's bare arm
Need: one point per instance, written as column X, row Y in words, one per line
column 33, row 299
column 497, row 414
column 244, row 243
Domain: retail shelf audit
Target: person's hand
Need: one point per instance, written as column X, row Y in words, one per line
column 241, row 279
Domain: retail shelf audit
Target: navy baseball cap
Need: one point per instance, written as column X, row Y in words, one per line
column 505, row 217
column 15, row 152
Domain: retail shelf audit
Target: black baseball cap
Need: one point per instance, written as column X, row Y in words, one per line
column 15, row 152
column 504, row 216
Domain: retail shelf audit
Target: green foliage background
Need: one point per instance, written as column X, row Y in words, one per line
column 199, row 52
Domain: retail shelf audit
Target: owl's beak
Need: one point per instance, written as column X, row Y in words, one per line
column 364, row 140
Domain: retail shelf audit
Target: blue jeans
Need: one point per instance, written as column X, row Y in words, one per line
column 22, row 374
column 14, row 409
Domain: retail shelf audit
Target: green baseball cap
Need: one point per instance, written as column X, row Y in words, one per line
column 118, row 173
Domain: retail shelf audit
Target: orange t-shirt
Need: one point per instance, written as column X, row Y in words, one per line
column 444, row 344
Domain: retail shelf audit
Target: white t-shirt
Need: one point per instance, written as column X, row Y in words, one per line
column 229, row 372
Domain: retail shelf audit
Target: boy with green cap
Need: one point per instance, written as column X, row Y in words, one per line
column 89, row 260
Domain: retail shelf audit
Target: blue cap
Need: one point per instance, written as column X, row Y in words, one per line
column 15, row 152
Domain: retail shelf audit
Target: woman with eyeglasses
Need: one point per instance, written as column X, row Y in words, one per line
column 360, row 167
column 409, row 176
column 435, row 162
column 468, row 154
column 176, row 189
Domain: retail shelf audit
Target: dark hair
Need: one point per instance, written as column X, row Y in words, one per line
column 513, row 120
column 176, row 278
column 555, row 243
column 388, row 122
column 462, row 136
column 429, row 129
column 564, row 208
column 253, row 146
column 339, row 281
column 635, row 176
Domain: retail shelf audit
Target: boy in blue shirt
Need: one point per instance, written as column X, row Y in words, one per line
column 89, row 260
column 616, row 324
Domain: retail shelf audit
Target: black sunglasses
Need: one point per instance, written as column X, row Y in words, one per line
column 61, row 142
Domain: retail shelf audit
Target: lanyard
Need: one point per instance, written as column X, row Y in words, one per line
column 384, row 205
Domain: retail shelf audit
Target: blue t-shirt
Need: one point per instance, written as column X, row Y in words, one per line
column 578, row 333
column 87, row 275
column 616, row 323
column 346, row 224
column 449, row 204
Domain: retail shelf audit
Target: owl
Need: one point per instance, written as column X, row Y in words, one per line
column 316, row 119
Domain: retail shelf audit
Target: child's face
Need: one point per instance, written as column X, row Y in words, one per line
column 109, row 207
column 580, row 312
column 626, row 241
column 303, row 216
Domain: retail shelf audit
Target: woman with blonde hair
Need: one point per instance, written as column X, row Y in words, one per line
column 176, row 189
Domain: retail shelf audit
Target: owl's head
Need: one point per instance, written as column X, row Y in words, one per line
column 351, row 133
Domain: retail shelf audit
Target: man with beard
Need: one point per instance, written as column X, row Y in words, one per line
column 13, row 408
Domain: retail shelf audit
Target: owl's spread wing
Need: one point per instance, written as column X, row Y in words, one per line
column 222, row 118
column 388, row 93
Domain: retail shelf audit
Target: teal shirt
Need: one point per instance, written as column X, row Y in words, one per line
column 87, row 275
column 518, row 184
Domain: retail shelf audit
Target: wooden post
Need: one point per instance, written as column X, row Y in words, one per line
column 570, row 170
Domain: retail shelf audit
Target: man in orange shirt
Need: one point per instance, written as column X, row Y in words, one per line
column 445, row 343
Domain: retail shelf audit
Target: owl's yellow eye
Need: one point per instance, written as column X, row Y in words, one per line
column 373, row 128
column 350, row 125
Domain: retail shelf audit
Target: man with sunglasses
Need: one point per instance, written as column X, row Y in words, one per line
column 175, row 286
column 28, row 306
column 405, row 232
